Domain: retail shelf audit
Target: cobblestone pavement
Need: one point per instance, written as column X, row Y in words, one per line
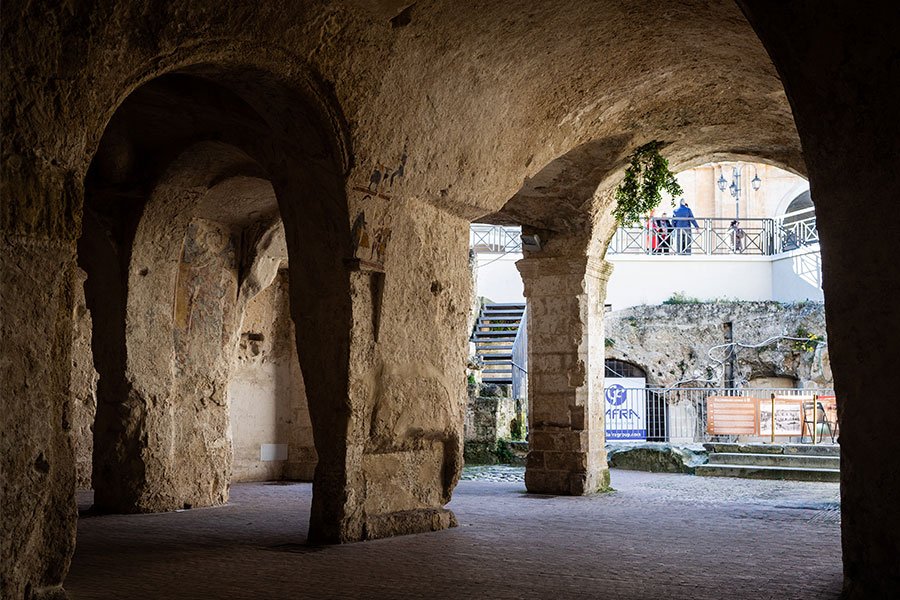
column 656, row 536
column 493, row 473
column 655, row 488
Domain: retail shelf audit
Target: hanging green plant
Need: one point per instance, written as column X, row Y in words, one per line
column 645, row 177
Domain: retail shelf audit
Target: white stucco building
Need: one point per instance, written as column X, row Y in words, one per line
column 778, row 257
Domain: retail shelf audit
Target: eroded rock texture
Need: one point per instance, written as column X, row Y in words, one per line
column 38, row 465
column 83, row 386
column 684, row 343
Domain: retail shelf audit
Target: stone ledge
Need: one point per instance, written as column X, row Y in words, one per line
column 407, row 522
column 566, row 483
column 655, row 457
column 777, row 448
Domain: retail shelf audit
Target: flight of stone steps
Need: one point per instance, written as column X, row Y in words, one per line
column 797, row 462
column 494, row 335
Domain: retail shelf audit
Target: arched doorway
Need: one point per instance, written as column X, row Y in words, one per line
column 185, row 201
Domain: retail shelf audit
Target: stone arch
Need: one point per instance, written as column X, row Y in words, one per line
column 568, row 204
column 789, row 197
column 171, row 142
column 800, row 201
column 616, row 367
column 268, row 77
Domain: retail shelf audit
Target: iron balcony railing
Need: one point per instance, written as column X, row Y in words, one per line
column 711, row 237
column 494, row 239
column 797, row 229
column 676, row 414
column 717, row 236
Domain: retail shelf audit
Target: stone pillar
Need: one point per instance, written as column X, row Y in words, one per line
column 565, row 374
column 834, row 67
column 38, row 514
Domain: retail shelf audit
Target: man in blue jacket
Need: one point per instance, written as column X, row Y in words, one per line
column 683, row 219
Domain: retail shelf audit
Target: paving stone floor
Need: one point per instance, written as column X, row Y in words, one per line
column 656, row 536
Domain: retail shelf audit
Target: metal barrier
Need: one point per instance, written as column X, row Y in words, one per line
column 520, row 360
column 796, row 231
column 494, row 239
column 713, row 237
column 675, row 414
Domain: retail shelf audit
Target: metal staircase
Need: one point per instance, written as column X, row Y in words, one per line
column 494, row 337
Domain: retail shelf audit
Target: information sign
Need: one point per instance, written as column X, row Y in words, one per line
column 788, row 415
column 731, row 415
column 625, row 399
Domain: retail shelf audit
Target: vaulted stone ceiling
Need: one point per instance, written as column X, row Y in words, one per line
column 507, row 115
column 549, row 101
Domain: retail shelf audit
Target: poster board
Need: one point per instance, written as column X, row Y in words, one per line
column 788, row 415
column 731, row 415
column 625, row 400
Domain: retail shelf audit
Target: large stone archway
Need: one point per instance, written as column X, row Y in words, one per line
column 188, row 263
column 568, row 206
column 472, row 101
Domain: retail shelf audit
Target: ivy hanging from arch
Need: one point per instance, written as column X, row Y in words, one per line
column 647, row 174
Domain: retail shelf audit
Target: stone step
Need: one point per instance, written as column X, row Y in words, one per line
column 747, row 459
column 782, row 473
column 802, row 449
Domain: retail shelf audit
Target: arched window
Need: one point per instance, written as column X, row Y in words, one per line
column 620, row 368
column 798, row 224
column 800, row 208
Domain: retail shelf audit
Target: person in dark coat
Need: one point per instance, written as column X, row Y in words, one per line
column 662, row 227
column 683, row 220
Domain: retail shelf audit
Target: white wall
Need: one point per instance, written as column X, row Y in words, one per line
column 642, row 279
column 778, row 187
column 498, row 279
column 270, row 424
column 797, row 276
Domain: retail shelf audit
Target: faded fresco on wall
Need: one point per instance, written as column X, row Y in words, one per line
column 372, row 226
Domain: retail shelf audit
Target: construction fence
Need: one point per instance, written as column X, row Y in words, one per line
column 693, row 415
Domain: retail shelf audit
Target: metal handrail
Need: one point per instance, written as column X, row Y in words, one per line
column 494, row 239
column 714, row 236
column 677, row 413
column 520, row 359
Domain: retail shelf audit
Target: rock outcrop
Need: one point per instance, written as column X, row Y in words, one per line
column 684, row 342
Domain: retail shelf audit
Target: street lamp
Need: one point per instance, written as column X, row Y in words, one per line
column 735, row 187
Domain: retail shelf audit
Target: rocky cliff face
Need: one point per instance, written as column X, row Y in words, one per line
column 677, row 343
